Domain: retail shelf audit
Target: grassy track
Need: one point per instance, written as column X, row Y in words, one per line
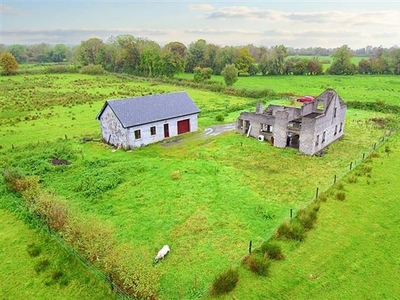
column 23, row 276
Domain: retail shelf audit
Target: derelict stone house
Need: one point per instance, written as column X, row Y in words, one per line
column 138, row 121
column 310, row 128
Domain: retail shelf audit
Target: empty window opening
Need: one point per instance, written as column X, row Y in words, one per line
column 137, row 134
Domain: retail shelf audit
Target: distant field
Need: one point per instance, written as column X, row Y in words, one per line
column 351, row 88
column 205, row 197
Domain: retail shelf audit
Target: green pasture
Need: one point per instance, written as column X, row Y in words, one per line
column 33, row 266
column 350, row 88
column 207, row 197
column 353, row 252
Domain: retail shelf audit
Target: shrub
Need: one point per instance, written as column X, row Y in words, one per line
column 273, row 251
column 33, row 250
column 225, row 282
column 93, row 70
column 127, row 269
column 52, row 210
column 60, row 69
column 91, row 237
column 340, row 195
column 219, row 118
column 256, row 264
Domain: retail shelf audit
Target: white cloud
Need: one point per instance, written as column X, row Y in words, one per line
column 389, row 17
column 8, row 10
column 212, row 31
column 244, row 12
column 75, row 36
column 201, row 7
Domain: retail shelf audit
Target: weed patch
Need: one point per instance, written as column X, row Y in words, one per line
column 42, row 265
column 272, row 251
column 257, row 264
column 225, row 282
column 33, row 250
column 291, row 230
column 340, row 195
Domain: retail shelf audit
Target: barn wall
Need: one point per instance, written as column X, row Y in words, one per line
column 145, row 131
column 111, row 129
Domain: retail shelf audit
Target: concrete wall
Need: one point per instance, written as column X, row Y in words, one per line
column 113, row 133
column 145, row 133
column 111, row 129
column 318, row 133
column 280, row 129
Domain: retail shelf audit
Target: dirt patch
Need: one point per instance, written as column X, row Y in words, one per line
column 58, row 162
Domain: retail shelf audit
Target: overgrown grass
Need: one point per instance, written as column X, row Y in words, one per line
column 205, row 197
column 362, row 88
column 32, row 264
column 352, row 240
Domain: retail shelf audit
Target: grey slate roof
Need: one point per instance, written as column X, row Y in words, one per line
column 147, row 109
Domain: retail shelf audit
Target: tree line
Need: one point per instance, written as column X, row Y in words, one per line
column 144, row 57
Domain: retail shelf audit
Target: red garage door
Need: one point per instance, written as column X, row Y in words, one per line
column 183, row 126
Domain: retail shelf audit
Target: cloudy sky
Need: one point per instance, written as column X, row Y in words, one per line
column 293, row 23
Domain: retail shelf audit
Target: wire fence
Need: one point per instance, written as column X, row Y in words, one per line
column 96, row 272
column 120, row 294
column 352, row 165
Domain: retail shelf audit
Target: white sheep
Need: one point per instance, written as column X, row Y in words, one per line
column 161, row 254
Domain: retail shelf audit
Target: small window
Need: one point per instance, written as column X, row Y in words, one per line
column 317, row 141
column 323, row 137
column 334, row 112
column 341, row 127
column 335, row 129
column 137, row 134
column 153, row 130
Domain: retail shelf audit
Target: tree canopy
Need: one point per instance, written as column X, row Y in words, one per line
column 8, row 63
column 230, row 74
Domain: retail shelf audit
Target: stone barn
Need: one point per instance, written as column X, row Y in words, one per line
column 310, row 128
column 135, row 122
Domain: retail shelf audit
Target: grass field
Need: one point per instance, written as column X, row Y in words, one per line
column 350, row 88
column 205, row 197
column 353, row 253
column 35, row 267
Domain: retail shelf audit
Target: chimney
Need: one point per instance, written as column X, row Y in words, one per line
column 259, row 108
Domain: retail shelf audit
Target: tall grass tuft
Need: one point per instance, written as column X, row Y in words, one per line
column 257, row 264
column 291, row 230
column 225, row 282
column 340, row 195
column 272, row 251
